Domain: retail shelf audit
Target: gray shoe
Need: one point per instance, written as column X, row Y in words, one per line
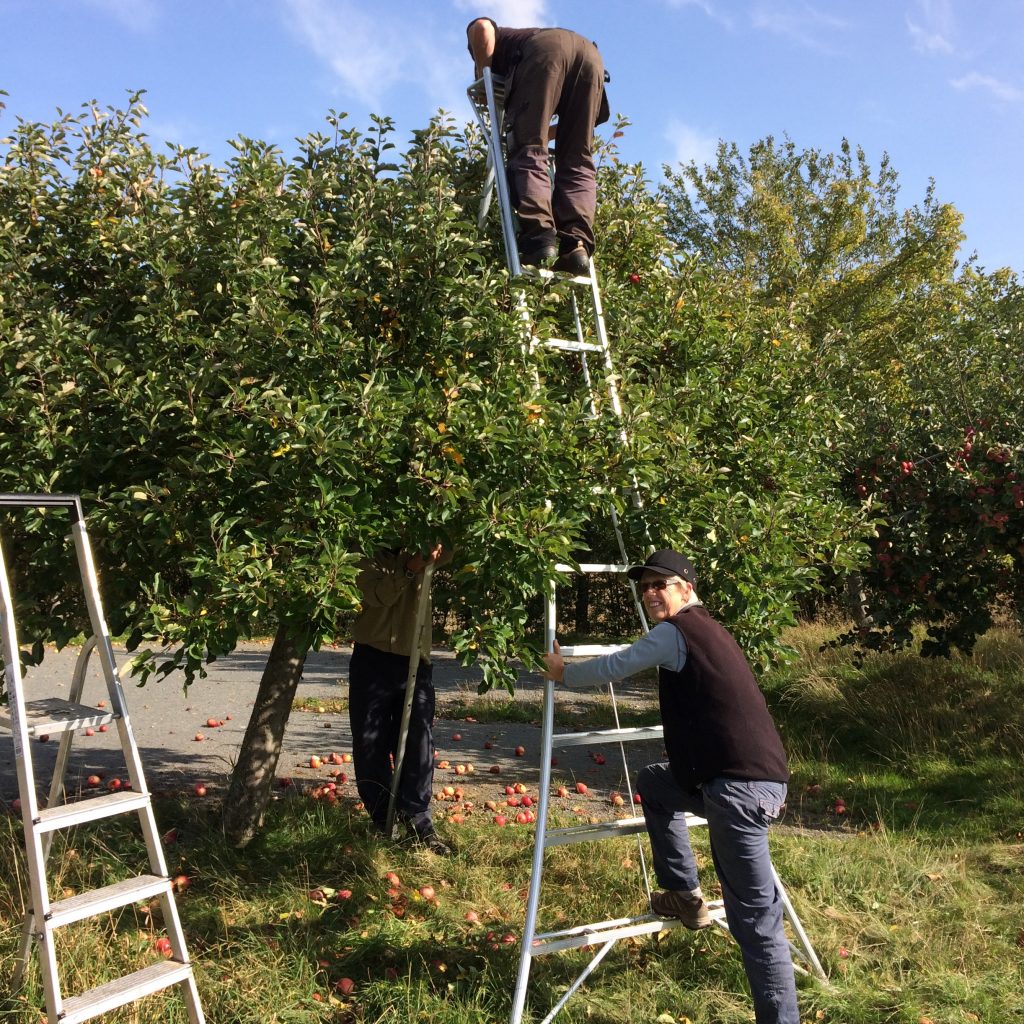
column 690, row 909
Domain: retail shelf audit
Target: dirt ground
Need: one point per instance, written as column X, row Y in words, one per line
column 168, row 723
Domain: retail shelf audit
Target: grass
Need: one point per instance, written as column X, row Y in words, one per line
column 912, row 898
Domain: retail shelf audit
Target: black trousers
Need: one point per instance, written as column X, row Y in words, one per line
column 559, row 73
column 376, row 697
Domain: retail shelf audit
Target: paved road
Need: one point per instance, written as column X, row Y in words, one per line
column 165, row 720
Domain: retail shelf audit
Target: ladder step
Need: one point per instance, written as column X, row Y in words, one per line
column 92, row 809
column 612, row 931
column 98, row 901
column 604, row 830
column 588, row 567
column 582, row 739
column 562, row 345
column 551, row 275
column 592, row 650
column 124, row 990
column 54, row 715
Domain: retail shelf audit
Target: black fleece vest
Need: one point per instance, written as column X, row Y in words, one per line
column 715, row 717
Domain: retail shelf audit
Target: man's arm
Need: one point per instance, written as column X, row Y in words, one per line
column 662, row 646
column 481, row 35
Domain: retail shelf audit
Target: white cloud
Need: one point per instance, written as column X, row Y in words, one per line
column 513, row 13
column 1000, row 90
column 707, row 7
column 801, row 22
column 933, row 29
column 688, row 144
column 364, row 53
column 141, row 15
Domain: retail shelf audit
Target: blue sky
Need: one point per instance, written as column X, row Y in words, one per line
column 938, row 84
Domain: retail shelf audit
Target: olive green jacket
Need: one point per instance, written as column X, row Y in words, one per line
column 388, row 615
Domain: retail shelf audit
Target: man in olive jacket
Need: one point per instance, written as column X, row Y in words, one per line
column 383, row 642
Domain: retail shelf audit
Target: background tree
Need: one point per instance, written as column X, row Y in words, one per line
column 914, row 351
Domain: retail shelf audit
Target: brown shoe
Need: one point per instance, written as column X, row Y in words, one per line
column 690, row 909
column 575, row 261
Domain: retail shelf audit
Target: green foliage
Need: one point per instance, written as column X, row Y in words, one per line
column 255, row 375
column 907, row 358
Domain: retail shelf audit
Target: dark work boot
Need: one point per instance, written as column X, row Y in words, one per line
column 537, row 252
column 575, row 261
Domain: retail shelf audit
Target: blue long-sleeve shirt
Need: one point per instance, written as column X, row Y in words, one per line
column 663, row 647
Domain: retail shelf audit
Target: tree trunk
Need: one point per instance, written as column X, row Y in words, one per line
column 253, row 777
column 857, row 600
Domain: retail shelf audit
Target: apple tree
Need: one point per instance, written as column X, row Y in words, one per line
column 255, row 375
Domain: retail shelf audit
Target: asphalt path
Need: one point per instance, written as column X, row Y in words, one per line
column 166, row 719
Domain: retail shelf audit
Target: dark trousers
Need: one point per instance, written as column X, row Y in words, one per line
column 376, row 698
column 559, row 73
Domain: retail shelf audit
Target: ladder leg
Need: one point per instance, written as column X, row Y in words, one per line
column 587, row 971
column 543, row 795
column 805, row 946
column 56, row 793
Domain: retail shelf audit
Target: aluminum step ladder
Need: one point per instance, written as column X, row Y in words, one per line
column 28, row 720
column 487, row 96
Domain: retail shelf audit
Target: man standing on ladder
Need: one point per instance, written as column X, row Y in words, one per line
column 726, row 764
column 383, row 643
column 548, row 71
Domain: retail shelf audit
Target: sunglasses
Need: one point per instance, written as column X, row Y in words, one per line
column 657, row 585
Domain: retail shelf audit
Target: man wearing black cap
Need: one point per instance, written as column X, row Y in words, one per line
column 725, row 763
column 548, row 72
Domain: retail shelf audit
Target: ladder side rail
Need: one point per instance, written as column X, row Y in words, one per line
column 485, row 195
column 35, row 856
column 495, row 115
column 623, row 436
column 147, row 819
column 115, row 690
column 543, row 796
column 422, row 599
column 803, row 939
column 584, row 974
column 629, row 790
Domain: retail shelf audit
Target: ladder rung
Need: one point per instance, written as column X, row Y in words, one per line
column 98, row 901
column 584, row 739
column 592, row 650
column 609, row 931
column 91, row 809
column 562, row 345
column 551, row 275
column 124, row 990
column 605, row 830
column 588, row 567
column 55, row 715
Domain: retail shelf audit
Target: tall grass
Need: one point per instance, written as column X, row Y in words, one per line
column 913, row 897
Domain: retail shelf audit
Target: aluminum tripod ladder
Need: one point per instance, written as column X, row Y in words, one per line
column 27, row 720
column 487, row 97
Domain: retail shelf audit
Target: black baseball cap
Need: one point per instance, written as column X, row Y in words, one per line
column 667, row 562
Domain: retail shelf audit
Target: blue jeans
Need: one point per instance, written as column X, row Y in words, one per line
column 738, row 813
